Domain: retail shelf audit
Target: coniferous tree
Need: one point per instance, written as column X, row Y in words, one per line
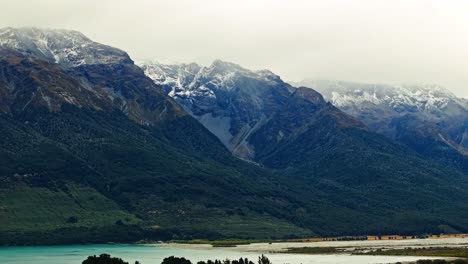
column 103, row 259
column 263, row 260
column 176, row 260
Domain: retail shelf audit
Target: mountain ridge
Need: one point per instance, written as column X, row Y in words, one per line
column 213, row 94
column 68, row 48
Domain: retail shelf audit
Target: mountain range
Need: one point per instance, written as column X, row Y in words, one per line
column 95, row 148
column 427, row 118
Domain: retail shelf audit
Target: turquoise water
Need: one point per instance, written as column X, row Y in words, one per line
column 75, row 254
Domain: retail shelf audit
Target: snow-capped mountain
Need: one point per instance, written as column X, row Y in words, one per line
column 183, row 81
column 95, row 73
column 68, row 48
column 427, row 118
column 261, row 118
column 227, row 99
column 214, row 97
column 429, row 102
column 432, row 101
column 235, row 103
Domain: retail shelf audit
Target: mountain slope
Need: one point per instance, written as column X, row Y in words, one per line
column 317, row 147
column 28, row 84
column 428, row 119
column 142, row 151
column 130, row 164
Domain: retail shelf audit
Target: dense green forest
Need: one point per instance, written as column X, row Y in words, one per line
column 85, row 176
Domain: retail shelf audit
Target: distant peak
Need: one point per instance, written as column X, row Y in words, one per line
column 427, row 88
column 220, row 62
column 225, row 65
column 163, row 62
column 267, row 73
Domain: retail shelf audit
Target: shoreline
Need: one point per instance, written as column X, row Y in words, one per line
column 156, row 253
column 346, row 248
column 278, row 246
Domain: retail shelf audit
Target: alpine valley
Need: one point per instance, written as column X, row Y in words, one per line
column 95, row 148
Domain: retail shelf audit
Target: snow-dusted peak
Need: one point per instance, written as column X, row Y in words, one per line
column 68, row 48
column 23, row 33
column 173, row 77
column 220, row 75
column 406, row 111
column 222, row 72
column 424, row 98
column 229, row 100
column 225, row 66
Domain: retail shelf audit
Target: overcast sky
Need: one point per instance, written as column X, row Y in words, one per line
column 389, row 41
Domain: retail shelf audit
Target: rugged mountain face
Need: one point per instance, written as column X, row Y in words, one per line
column 428, row 119
column 235, row 103
column 232, row 102
column 28, row 84
column 104, row 71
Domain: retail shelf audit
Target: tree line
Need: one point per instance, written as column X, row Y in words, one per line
column 107, row 259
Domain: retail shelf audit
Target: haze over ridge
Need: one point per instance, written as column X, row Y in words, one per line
column 378, row 42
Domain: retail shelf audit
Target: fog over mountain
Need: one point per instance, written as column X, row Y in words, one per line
column 362, row 41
